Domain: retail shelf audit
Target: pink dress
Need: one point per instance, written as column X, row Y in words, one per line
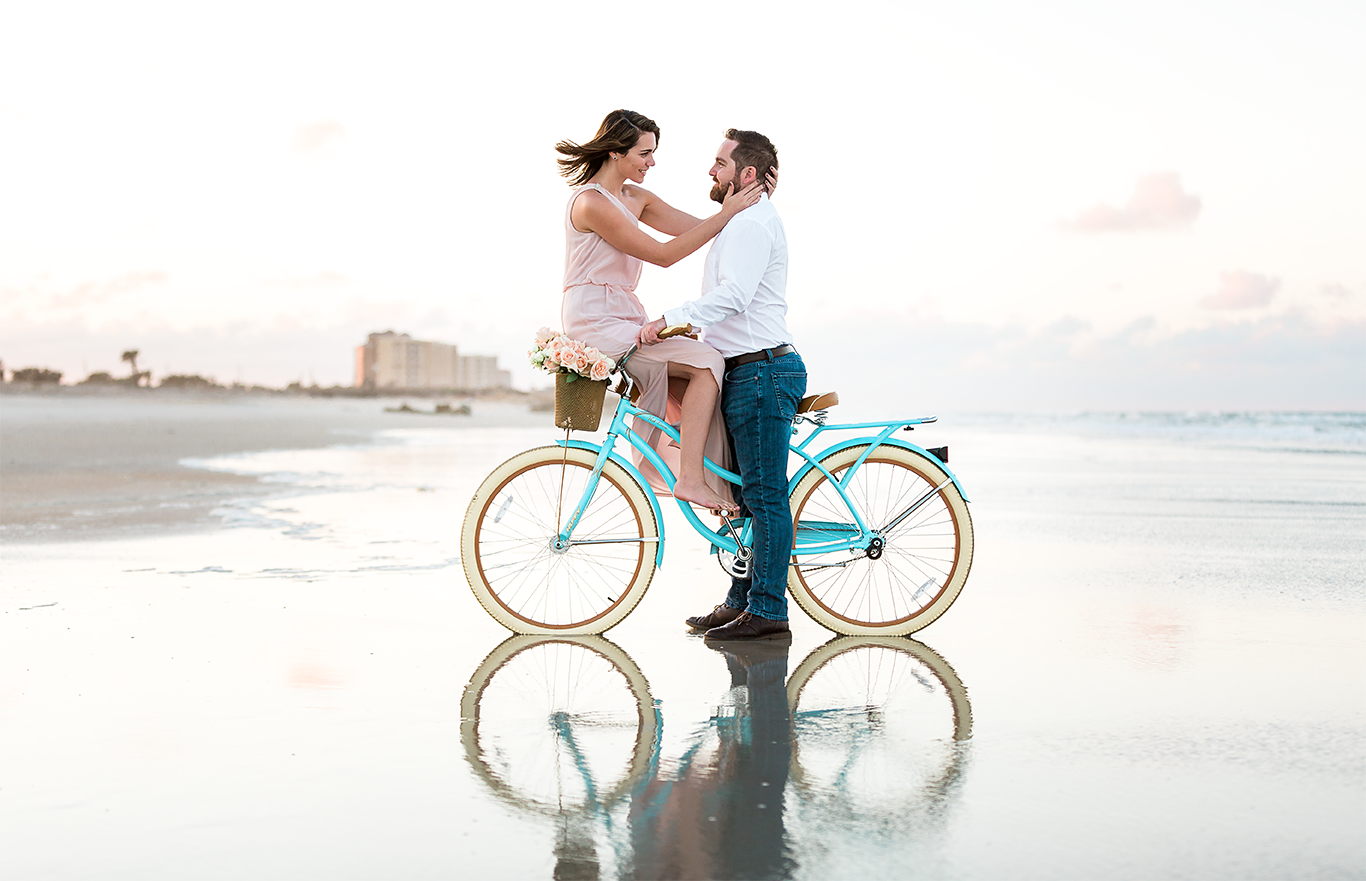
column 601, row 309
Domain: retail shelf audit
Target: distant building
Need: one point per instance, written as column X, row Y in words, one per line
column 397, row 361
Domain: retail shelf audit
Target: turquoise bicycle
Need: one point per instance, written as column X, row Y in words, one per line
column 566, row 538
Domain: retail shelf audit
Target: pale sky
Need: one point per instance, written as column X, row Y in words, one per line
column 989, row 206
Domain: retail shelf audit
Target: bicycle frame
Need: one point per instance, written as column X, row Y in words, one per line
column 720, row 540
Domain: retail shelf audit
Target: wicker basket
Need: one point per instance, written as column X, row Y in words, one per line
column 578, row 404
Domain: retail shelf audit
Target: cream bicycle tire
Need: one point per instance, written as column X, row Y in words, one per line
column 516, row 574
column 914, row 578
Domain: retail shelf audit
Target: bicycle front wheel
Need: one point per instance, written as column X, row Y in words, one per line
column 926, row 543
column 510, row 555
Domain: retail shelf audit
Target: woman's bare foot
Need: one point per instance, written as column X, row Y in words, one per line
column 698, row 493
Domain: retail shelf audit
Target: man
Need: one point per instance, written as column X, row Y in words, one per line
column 743, row 308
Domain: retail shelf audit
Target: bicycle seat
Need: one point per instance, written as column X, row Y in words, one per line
column 822, row 401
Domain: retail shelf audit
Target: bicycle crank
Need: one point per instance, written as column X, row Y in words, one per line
column 740, row 564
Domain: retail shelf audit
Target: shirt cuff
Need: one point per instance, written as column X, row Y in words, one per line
column 676, row 316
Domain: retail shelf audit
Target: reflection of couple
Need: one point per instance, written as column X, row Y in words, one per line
column 721, row 814
column 737, row 391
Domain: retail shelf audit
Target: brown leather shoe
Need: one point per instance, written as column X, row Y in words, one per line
column 749, row 626
column 722, row 614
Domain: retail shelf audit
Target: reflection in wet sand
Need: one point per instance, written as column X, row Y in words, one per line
column 564, row 728
column 881, row 733
column 866, row 740
column 721, row 814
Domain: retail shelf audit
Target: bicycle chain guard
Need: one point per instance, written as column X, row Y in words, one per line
column 733, row 566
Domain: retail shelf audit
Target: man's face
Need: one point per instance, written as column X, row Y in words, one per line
column 723, row 172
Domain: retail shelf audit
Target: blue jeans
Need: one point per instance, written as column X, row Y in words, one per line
column 759, row 400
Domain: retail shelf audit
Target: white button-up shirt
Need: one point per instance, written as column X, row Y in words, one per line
column 743, row 306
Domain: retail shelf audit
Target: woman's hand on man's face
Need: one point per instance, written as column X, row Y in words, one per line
column 737, row 202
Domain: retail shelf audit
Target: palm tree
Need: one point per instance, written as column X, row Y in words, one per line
column 131, row 356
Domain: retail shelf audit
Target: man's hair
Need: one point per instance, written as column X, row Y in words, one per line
column 752, row 148
column 618, row 133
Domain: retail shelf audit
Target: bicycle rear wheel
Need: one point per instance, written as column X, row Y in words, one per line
column 508, row 548
column 924, row 561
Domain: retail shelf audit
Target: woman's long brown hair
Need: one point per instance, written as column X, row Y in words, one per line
column 618, row 133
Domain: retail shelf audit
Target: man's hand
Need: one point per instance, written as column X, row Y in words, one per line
column 649, row 333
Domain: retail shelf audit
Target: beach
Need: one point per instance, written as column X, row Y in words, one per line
column 100, row 465
column 236, row 641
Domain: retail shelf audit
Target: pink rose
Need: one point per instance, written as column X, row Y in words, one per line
column 601, row 369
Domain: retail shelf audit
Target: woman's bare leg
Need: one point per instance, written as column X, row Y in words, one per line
column 699, row 402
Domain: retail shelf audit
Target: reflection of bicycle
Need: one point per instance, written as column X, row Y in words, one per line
column 875, row 720
column 566, row 728
column 565, row 538
column 547, row 723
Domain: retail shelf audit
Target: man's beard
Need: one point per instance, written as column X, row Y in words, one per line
column 719, row 191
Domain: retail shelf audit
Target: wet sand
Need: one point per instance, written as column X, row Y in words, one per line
column 1156, row 670
column 76, row 465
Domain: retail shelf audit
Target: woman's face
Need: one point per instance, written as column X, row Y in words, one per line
column 639, row 159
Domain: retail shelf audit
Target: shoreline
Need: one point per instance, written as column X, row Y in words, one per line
column 104, row 466
column 222, row 392
column 92, row 464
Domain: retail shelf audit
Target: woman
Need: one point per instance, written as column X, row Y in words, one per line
column 680, row 378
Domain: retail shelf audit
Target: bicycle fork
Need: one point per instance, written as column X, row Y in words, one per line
column 563, row 540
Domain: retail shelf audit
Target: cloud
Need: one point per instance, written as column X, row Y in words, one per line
column 83, row 294
column 1240, row 289
column 315, row 136
column 1158, row 202
column 324, row 278
column 903, row 364
column 1335, row 291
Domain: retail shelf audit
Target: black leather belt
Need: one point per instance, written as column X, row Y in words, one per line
column 761, row 355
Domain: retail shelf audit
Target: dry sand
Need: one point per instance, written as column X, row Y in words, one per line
column 79, row 465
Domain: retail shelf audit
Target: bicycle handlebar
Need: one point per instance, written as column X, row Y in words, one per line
column 672, row 330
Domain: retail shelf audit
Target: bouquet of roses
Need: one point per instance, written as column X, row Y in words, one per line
column 557, row 353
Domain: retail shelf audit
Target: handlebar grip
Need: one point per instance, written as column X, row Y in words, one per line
column 676, row 330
